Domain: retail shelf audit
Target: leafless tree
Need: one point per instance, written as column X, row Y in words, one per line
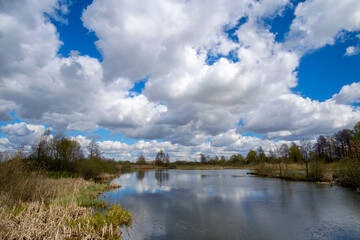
column 305, row 148
column 94, row 149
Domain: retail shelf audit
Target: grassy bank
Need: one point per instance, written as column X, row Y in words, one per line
column 345, row 173
column 181, row 165
column 34, row 206
column 210, row 167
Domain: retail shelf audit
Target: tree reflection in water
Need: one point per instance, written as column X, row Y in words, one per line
column 140, row 175
column 161, row 176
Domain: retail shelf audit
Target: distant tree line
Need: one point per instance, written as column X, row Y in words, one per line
column 222, row 160
column 63, row 154
column 344, row 143
column 342, row 148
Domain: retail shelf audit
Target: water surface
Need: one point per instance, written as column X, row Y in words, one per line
column 228, row 204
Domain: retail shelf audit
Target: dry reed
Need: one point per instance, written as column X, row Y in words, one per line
column 52, row 212
column 40, row 221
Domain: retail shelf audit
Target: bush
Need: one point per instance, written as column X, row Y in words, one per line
column 268, row 170
column 316, row 172
column 93, row 167
column 141, row 160
column 18, row 183
column 350, row 175
column 12, row 172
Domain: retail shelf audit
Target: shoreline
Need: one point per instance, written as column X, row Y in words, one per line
column 294, row 174
column 69, row 213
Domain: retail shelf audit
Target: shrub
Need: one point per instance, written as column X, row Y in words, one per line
column 93, row 167
column 350, row 175
column 141, row 160
column 316, row 172
column 19, row 184
column 265, row 169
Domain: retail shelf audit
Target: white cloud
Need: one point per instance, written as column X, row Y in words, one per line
column 319, row 22
column 200, row 100
column 5, row 145
column 348, row 94
column 352, row 50
column 225, row 139
column 28, row 41
column 65, row 93
column 292, row 117
column 22, row 134
column 136, row 37
column 185, row 101
column 240, row 144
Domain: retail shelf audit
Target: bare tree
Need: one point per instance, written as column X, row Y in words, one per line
column 277, row 159
column 306, row 152
column 42, row 147
column 342, row 142
column 94, row 149
column 202, row 158
column 167, row 159
column 162, row 158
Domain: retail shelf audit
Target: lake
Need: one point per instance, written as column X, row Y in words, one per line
column 229, row 204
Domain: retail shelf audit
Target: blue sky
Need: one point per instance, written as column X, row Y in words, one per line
column 74, row 35
column 144, row 76
column 329, row 70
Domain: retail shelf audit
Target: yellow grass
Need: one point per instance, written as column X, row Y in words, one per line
column 59, row 218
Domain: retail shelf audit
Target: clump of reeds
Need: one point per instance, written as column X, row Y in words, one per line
column 21, row 185
column 350, row 175
column 267, row 170
column 33, row 206
column 294, row 172
column 36, row 220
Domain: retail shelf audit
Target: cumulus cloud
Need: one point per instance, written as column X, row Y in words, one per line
column 352, row 50
column 65, row 93
column 348, row 94
column 21, row 134
column 5, row 145
column 292, row 117
column 27, row 40
column 234, row 144
column 320, row 22
column 136, row 36
column 186, row 100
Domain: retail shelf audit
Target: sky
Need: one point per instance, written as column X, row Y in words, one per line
column 218, row 77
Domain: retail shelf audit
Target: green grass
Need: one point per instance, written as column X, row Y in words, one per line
column 88, row 196
column 115, row 216
column 118, row 216
column 58, row 174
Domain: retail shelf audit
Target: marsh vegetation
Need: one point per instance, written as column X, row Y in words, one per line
column 38, row 204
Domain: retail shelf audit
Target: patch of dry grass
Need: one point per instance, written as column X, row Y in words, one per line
column 40, row 221
column 296, row 171
column 33, row 206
